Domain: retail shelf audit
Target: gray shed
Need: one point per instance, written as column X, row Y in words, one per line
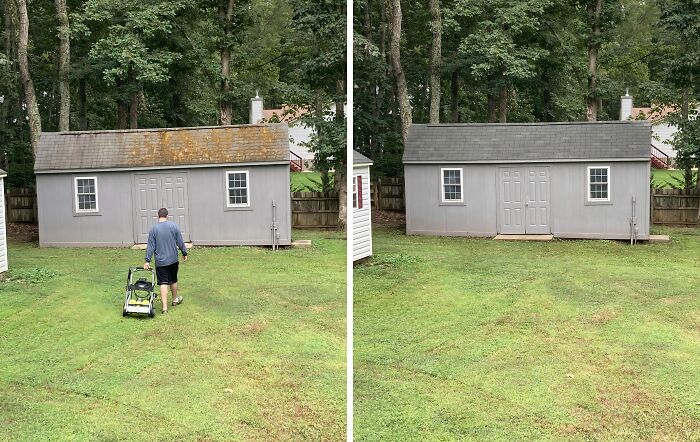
column 571, row 180
column 361, row 207
column 222, row 185
column 3, row 230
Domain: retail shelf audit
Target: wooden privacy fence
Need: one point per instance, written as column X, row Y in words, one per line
column 674, row 206
column 315, row 210
column 21, row 205
column 388, row 194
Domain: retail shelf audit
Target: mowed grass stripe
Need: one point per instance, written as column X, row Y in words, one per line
column 476, row 339
column 256, row 351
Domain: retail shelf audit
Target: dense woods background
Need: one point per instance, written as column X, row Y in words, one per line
column 442, row 61
column 109, row 64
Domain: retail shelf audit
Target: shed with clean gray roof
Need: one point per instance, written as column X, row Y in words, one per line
column 223, row 185
column 570, row 180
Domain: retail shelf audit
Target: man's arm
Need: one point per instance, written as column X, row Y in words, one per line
column 150, row 248
column 181, row 243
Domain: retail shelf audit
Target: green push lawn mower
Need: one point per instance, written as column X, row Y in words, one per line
column 140, row 292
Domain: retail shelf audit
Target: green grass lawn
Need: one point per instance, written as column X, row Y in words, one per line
column 476, row 339
column 303, row 181
column 256, row 351
column 665, row 178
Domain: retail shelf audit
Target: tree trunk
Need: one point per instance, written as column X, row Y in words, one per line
column 122, row 115
column 491, row 113
column 133, row 99
column 225, row 108
column 375, row 146
column 27, row 84
column 688, row 171
column 405, row 111
column 454, row 97
column 503, row 104
column 122, row 104
column 176, row 104
column 134, row 111
column 594, row 10
column 547, row 102
column 63, row 66
column 435, row 60
column 9, row 32
column 340, row 172
column 82, row 103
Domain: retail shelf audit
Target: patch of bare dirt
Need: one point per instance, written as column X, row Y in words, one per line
column 602, row 317
column 388, row 218
column 629, row 408
column 253, row 328
column 23, row 231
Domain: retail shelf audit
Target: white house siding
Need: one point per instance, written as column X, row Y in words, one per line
column 300, row 133
column 3, row 232
column 362, row 218
column 661, row 137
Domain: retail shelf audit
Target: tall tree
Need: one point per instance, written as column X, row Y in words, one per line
column 63, row 65
column 226, row 18
column 503, row 48
column 129, row 44
column 404, row 103
column 435, row 60
column 27, row 83
column 594, row 10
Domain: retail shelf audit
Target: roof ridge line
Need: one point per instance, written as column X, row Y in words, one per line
column 160, row 129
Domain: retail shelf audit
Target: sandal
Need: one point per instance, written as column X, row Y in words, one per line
column 177, row 300
column 164, row 311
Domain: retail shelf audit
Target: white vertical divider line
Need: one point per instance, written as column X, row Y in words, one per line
column 349, row 87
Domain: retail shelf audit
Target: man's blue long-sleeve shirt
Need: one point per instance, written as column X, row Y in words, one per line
column 164, row 239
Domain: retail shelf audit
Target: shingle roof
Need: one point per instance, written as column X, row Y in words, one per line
column 127, row 149
column 358, row 158
column 527, row 141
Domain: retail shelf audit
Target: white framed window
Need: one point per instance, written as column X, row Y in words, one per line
column 85, row 194
column 238, row 189
column 598, row 183
column 451, row 189
column 354, row 192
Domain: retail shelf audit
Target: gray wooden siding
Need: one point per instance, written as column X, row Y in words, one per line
column 3, row 230
column 362, row 218
column 210, row 222
column 571, row 216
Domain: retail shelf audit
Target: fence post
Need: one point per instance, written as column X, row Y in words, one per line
column 379, row 194
column 651, row 204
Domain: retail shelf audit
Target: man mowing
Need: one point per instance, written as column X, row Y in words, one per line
column 164, row 239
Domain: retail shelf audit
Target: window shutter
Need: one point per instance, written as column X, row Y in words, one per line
column 359, row 191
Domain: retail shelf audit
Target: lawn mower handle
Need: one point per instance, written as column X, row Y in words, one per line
column 137, row 268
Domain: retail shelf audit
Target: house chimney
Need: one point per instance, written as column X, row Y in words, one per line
column 625, row 106
column 256, row 109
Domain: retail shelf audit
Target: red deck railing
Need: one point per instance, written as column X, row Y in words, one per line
column 659, row 160
column 295, row 162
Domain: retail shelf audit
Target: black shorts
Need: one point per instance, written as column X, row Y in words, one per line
column 167, row 274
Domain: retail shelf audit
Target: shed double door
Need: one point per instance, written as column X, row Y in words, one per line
column 156, row 190
column 524, row 200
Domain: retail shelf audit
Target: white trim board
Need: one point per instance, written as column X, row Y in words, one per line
column 507, row 162
column 146, row 168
